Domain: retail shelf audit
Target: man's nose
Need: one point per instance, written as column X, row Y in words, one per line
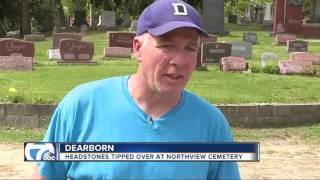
column 178, row 58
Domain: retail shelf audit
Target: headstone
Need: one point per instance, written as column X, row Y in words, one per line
column 281, row 39
column 304, row 56
column 267, row 56
column 232, row 19
column 211, row 38
column 247, row 14
column 34, row 37
column 54, row 54
column 241, row 49
column 133, row 26
column 84, row 28
column 260, row 13
column 315, row 17
column 74, row 51
column 126, row 20
column 59, row 36
column 232, row 63
column 213, row 52
column 297, row 46
column 121, row 39
column 213, row 17
column 15, row 63
column 250, row 37
column 296, row 67
column 15, row 47
column 108, row 19
column 267, row 20
column 13, row 34
column 120, row 52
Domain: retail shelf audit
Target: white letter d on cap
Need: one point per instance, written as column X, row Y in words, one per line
column 180, row 9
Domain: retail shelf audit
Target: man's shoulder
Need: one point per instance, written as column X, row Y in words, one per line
column 94, row 89
column 198, row 102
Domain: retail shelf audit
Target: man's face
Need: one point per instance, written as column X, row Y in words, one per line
column 166, row 62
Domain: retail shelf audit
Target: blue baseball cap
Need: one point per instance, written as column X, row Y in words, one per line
column 163, row 16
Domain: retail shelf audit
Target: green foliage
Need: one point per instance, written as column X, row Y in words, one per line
column 43, row 12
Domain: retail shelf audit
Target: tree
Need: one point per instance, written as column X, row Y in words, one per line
column 25, row 25
column 78, row 9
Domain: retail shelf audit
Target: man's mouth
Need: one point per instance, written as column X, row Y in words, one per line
column 174, row 76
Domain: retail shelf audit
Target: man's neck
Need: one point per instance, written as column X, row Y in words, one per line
column 152, row 103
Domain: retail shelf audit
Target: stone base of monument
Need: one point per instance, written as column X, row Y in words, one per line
column 296, row 67
column 77, row 62
column 54, row 54
column 119, row 52
column 16, row 63
column 34, row 37
column 219, row 32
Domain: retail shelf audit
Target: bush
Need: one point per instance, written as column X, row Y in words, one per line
column 271, row 69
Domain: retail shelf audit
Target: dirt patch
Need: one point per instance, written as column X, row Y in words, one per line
column 280, row 159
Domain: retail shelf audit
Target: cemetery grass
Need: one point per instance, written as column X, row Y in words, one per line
column 309, row 134
column 49, row 82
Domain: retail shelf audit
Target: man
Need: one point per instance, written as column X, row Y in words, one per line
column 149, row 106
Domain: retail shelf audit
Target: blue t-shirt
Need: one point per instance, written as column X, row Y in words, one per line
column 104, row 111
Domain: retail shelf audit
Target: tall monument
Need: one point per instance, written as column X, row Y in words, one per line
column 213, row 17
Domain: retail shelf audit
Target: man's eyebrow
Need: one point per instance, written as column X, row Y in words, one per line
column 162, row 42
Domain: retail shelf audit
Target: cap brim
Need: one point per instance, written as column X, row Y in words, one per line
column 160, row 30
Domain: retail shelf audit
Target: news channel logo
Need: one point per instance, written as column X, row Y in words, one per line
column 39, row 151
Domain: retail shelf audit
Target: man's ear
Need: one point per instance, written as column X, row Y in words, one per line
column 137, row 44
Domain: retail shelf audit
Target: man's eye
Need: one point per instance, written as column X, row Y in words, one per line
column 166, row 46
column 191, row 48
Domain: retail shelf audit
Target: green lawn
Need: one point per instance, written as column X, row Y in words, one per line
column 49, row 82
column 307, row 134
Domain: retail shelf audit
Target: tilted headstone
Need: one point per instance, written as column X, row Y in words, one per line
column 233, row 63
column 267, row 56
column 120, row 52
column 213, row 52
column 297, row 46
column 241, row 49
column 34, row 37
column 121, row 39
column 108, row 19
column 58, row 36
column 74, row 51
column 281, row 39
column 304, row 56
column 16, row 54
column 250, row 37
column 296, row 67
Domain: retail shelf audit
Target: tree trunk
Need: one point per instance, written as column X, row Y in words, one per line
column 60, row 13
column 93, row 23
column 25, row 24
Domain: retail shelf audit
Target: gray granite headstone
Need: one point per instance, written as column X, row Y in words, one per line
column 250, row 37
column 241, row 49
column 268, row 56
column 315, row 17
column 34, row 37
column 108, row 19
column 213, row 52
column 297, row 46
column 267, row 20
column 213, row 17
column 126, row 20
column 133, row 26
